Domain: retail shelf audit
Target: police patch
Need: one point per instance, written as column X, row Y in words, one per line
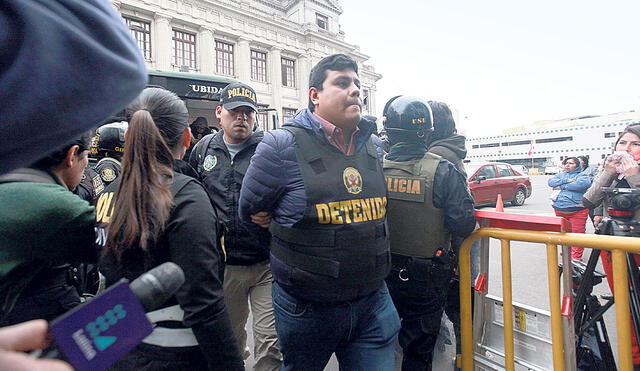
column 352, row 180
column 210, row 162
column 108, row 175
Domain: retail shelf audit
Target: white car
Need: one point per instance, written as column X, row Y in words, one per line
column 552, row 170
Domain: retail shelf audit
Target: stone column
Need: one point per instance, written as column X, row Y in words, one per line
column 303, row 80
column 276, row 79
column 243, row 61
column 162, row 51
column 206, row 50
column 372, row 101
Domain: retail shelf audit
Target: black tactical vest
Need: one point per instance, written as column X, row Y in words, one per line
column 416, row 226
column 109, row 169
column 90, row 187
column 342, row 237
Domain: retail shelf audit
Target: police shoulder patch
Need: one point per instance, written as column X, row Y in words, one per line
column 352, row 180
column 107, row 175
column 210, row 162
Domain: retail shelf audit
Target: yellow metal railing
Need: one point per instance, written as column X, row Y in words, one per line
column 619, row 246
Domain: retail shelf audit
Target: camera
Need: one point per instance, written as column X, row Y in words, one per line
column 622, row 205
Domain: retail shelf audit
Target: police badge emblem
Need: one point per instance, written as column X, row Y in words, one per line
column 108, row 175
column 210, row 162
column 352, row 180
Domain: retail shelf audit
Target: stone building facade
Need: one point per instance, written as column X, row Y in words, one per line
column 268, row 44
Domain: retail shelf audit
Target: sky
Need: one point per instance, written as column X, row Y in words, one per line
column 501, row 64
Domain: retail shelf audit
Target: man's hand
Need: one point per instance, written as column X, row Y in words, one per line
column 262, row 219
column 22, row 337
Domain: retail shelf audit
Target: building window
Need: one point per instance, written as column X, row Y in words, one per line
column 288, row 72
column 287, row 113
column 516, row 143
column 258, row 66
column 184, row 49
column 141, row 32
column 609, row 135
column 489, row 145
column 224, row 58
column 551, row 140
column 263, row 117
column 322, row 21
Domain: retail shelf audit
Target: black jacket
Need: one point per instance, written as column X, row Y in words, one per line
column 189, row 240
column 222, row 177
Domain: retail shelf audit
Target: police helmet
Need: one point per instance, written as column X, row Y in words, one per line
column 408, row 118
column 110, row 139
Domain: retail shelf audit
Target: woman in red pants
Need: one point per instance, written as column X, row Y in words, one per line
column 570, row 186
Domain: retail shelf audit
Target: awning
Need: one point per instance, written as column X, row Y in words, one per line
column 190, row 85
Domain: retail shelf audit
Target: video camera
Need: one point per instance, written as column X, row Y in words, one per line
column 622, row 205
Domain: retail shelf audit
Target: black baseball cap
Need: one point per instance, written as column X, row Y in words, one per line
column 237, row 95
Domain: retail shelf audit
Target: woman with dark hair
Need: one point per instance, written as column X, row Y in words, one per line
column 161, row 215
column 568, row 189
column 619, row 171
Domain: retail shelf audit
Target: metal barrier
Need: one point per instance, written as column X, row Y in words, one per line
column 619, row 246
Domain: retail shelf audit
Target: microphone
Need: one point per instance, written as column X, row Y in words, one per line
column 94, row 335
column 155, row 287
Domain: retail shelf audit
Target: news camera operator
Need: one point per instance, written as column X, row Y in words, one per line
column 159, row 215
column 621, row 170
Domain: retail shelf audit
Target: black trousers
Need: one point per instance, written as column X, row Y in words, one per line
column 419, row 288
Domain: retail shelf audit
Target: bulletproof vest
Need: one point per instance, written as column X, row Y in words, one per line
column 104, row 210
column 416, row 227
column 109, row 169
column 90, row 186
column 342, row 237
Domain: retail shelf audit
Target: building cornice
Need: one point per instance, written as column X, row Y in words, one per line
column 306, row 33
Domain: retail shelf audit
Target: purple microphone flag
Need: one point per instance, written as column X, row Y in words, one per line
column 96, row 334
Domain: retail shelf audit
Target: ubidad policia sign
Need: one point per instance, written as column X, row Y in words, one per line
column 189, row 88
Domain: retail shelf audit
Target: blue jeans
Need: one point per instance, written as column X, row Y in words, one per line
column 361, row 332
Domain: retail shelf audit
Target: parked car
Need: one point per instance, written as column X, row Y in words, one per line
column 552, row 170
column 488, row 179
column 520, row 169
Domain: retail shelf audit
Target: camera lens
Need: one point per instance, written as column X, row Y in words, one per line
column 622, row 202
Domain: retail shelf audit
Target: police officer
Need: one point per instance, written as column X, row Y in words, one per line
column 320, row 179
column 109, row 141
column 90, row 187
column 221, row 160
column 429, row 204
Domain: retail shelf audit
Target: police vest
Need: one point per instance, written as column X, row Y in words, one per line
column 92, row 183
column 104, row 210
column 109, row 169
column 416, row 227
column 342, row 237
